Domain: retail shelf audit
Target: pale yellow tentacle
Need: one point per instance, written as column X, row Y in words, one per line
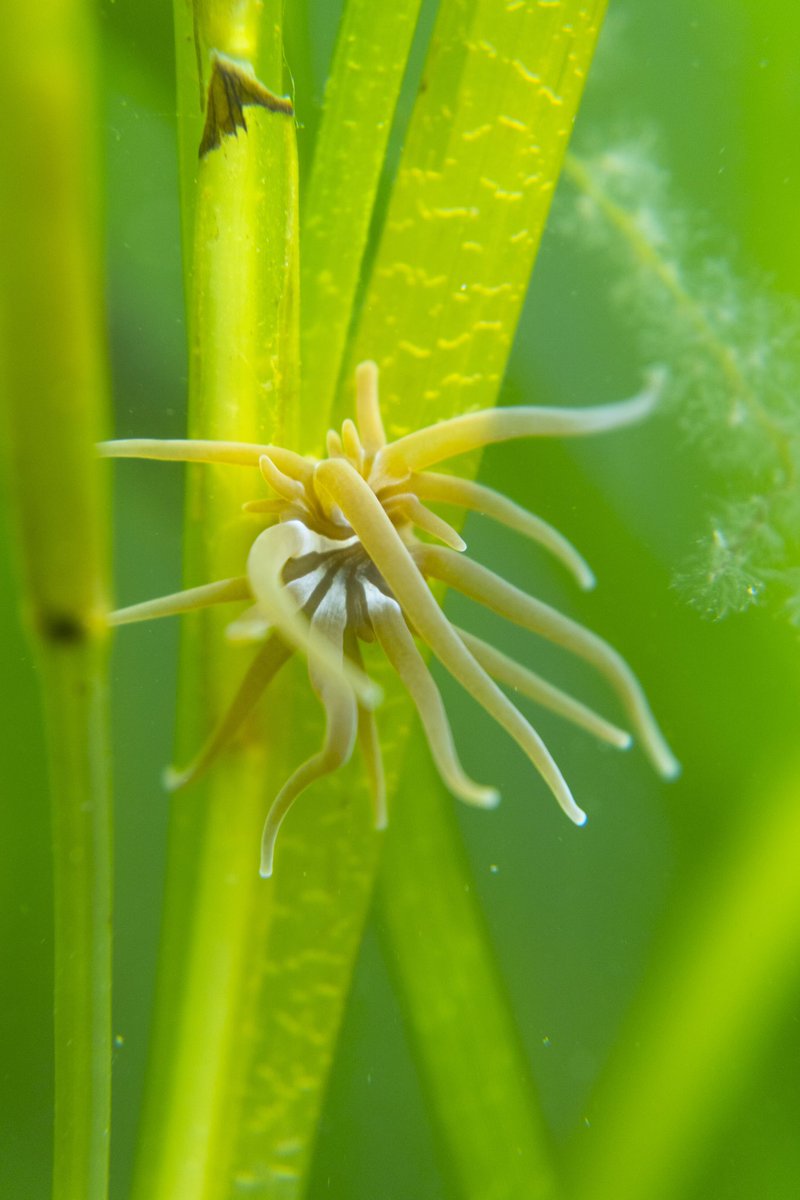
column 449, row 489
column 409, row 506
column 472, row 431
column 386, row 549
column 270, row 507
column 328, row 627
column 249, row 626
column 369, row 743
column 489, row 589
column 238, row 454
column 282, row 484
column 398, row 645
column 226, row 591
column 352, row 444
column 514, row 675
column 260, row 674
column 368, row 413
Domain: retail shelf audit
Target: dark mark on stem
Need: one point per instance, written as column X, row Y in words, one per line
column 62, row 628
column 233, row 87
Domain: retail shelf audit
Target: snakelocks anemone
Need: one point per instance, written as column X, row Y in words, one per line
column 341, row 563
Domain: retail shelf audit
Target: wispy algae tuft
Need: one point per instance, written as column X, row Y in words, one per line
column 341, row 562
column 734, row 380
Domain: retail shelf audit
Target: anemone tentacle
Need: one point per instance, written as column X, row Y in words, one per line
column 409, row 507
column 387, row 550
column 369, row 740
column 195, row 450
column 513, row 674
column 339, row 562
column 399, row 647
column 368, row 409
column 327, row 629
column 487, row 588
column 225, row 591
column 263, row 669
column 465, row 493
column 476, row 430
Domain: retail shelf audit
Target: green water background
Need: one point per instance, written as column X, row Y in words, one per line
column 578, row 918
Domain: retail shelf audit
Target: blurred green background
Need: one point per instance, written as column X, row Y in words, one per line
column 582, row 921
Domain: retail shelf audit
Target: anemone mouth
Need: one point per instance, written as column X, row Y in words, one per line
column 346, row 572
column 346, row 556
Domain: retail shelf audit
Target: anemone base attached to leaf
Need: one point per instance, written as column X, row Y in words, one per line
column 341, row 562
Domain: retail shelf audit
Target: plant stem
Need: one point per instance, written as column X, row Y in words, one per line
column 75, row 694
column 239, row 209
column 54, row 379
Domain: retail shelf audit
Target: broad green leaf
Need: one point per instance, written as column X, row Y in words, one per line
column 483, row 152
column 482, row 156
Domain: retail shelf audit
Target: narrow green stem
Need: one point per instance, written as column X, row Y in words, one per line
column 75, row 696
column 240, row 214
column 54, row 384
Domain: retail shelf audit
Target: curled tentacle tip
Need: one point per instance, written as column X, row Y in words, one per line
column 172, row 780
column 243, row 633
column 669, row 767
column 657, row 375
column 381, row 813
column 655, row 380
column 487, row 797
column 371, row 695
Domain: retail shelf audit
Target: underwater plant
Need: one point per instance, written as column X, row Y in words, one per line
column 343, row 564
column 532, row 1014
